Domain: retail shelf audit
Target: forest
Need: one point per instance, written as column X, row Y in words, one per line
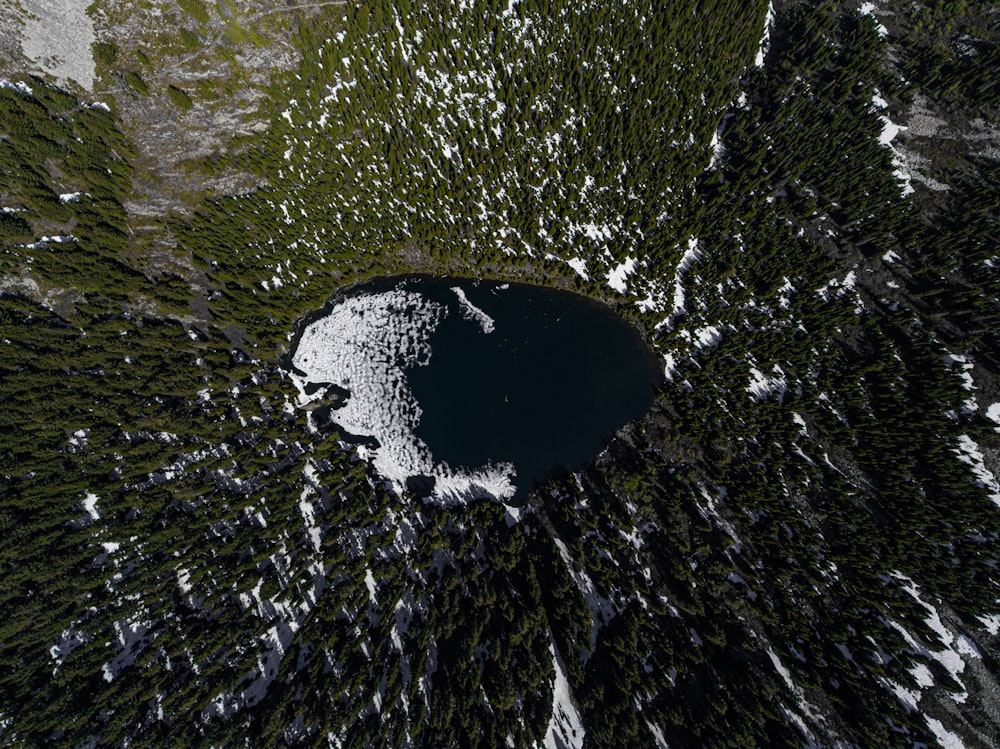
column 797, row 546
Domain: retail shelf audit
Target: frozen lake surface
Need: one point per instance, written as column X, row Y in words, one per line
column 474, row 388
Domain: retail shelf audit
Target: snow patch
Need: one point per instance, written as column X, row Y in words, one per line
column 20, row 86
column 707, row 337
column 580, row 266
column 945, row 738
column 970, row 453
column 761, row 385
column 993, row 414
column 868, row 9
column 90, row 506
column 890, row 130
column 691, row 254
column 765, row 40
column 617, row 278
column 565, row 727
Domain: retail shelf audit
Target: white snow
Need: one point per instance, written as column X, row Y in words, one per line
column 669, row 366
column 765, row 41
column 90, row 506
column 951, row 651
column 68, row 641
column 565, row 727
column 945, row 738
column 21, row 87
column 580, row 266
column 708, row 336
column 761, row 385
column 617, row 278
column 691, row 254
column 993, row 414
column 133, row 637
column 889, row 132
column 794, row 688
column 370, row 584
column 365, row 345
column 869, row 10
column 970, row 453
column 601, row 609
column 968, row 383
column 991, row 623
column 183, row 580
column 661, row 741
column 78, row 440
column 472, row 312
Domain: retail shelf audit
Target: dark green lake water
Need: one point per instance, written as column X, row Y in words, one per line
column 545, row 390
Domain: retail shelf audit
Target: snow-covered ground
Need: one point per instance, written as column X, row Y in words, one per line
column 765, row 41
column 565, row 729
column 890, row 129
column 365, row 345
column 617, row 277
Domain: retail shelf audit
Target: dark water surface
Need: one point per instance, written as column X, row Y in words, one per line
column 559, row 374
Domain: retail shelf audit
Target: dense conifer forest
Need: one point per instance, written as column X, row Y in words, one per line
column 797, row 546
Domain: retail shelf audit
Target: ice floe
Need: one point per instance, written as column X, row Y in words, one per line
column 472, row 312
column 364, row 346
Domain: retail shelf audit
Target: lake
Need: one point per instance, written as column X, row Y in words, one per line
column 468, row 388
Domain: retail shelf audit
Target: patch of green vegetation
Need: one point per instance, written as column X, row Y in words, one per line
column 196, row 9
column 14, row 229
column 258, row 39
column 179, row 97
column 236, row 33
column 105, row 53
column 190, row 40
column 206, row 89
column 136, row 83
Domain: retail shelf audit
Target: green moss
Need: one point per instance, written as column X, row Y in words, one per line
column 236, row 33
column 258, row 40
column 190, row 40
column 105, row 53
column 136, row 83
column 196, row 9
column 180, row 98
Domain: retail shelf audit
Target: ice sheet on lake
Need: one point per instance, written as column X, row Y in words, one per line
column 472, row 312
column 365, row 345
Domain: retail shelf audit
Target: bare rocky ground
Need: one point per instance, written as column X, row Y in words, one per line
column 223, row 61
column 223, row 57
column 226, row 82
